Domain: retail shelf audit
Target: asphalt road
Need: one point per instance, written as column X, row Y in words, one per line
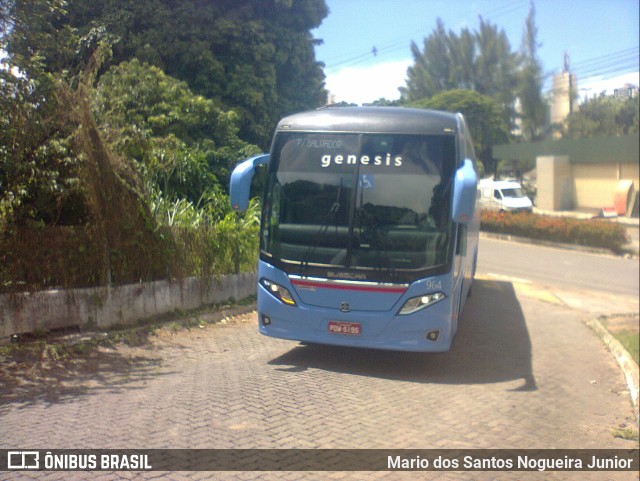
column 560, row 267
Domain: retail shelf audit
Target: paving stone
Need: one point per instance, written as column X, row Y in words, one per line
column 520, row 375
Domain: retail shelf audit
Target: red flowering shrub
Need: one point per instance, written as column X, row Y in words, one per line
column 587, row 232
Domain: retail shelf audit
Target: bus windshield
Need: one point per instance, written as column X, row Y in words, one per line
column 375, row 204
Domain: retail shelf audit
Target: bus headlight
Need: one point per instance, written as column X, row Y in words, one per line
column 416, row 303
column 279, row 292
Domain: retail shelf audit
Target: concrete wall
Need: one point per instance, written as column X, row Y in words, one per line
column 630, row 171
column 108, row 306
column 566, row 185
column 589, row 179
column 595, row 184
column 555, row 184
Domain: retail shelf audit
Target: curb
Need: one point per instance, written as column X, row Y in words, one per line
column 627, row 364
column 620, row 219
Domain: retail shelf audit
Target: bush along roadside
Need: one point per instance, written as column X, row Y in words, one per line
column 589, row 232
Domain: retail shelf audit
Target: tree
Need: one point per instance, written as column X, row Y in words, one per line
column 383, row 102
column 530, row 79
column 431, row 71
column 496, row 69
column 38, row 166
column 604, row 116
column 58, row 167
column 480, row 60
column 254, row 56
column 184, row 143
column 483, row 116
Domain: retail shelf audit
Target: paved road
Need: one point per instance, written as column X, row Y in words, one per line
column 597, row 284
column 524, row 372
column 559, row 267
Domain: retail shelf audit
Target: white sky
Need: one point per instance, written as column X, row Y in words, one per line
column 365, row 84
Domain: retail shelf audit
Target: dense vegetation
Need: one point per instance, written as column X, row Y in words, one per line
column 603, row 116
column 120, row 122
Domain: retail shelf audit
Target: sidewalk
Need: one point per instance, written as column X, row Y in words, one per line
column 607, row 328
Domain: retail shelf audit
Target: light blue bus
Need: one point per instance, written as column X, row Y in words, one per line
column 369, row 232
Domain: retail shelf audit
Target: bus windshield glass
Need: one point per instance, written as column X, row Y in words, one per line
column 359, row 202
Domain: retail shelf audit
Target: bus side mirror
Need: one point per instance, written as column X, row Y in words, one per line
column 464, row 192
column 240, row 184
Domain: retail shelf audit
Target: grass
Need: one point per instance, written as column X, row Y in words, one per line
column 630, row 341
column 625, row 329
column 629, row 434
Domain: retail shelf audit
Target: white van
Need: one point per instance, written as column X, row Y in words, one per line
column 503, row 195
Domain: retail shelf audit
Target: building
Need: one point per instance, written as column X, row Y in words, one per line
column 580, row 174
column 563, row 98
column 626, row 91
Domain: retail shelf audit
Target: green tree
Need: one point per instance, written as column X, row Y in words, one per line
column 254, row 56
column 383, row 102
column 431, row 71
column 604, row 116
column 496, row 68
column 38, row 165
column 483, row 116
column 479, row 60
column 530, row 80
column 183, row 142
column 462, row 49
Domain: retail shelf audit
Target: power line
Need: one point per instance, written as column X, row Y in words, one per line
column 400, row 44
column 506, row 9
column 630, row 50
column 608, row 65
column 604, row 73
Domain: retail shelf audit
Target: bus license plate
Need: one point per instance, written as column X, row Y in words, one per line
column 349, row 328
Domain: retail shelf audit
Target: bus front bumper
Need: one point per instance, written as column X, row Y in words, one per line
column 427, row 330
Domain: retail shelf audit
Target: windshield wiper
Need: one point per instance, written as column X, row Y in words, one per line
column 324, row 227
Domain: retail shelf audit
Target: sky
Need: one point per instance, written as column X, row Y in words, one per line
column 601, row 38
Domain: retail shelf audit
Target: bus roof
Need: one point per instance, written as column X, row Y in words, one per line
column 395, row 120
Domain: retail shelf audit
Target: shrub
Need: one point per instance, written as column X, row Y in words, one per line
column 589, row 232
